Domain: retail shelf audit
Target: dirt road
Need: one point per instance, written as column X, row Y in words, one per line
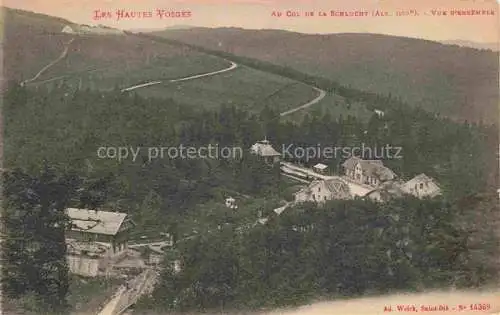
column 191, row 77
column 61, row 57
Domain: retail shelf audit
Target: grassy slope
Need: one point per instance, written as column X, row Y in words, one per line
column 106, row 61
column 244, row 87
column 28, row 42
column 459, row 82
column 34, row 40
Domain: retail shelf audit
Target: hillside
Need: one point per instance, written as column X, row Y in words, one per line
column 34, row 40
column 461, row 83
column 27, row 43
column 39, row 54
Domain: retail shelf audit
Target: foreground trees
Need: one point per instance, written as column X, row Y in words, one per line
column 348, row 248
column 34, row 248
column 345, row 248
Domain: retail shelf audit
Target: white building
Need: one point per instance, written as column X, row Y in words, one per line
column 96, row 239
column 367, row 172
column 87, row 29
column 422, row 186
column 320, row 168
column 264, row 149
column 323, row 190
column 68, row 29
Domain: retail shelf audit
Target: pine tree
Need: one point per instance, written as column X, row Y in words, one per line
column 35, row 224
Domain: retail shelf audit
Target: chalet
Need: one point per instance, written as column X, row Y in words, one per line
column 422, row 186
column 367, row 172
column 96, row 240
column 264, row 149
column 320, row 168
column 323, row 190
column 106, row 227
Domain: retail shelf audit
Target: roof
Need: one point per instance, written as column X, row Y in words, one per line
column 370, row 168
column 96, row 221
column 336, row 186
column 67, row 29
column 421, row 178
column 264, row 148
column 320, row 166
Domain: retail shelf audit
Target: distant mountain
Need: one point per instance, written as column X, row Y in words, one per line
column 169, row 28
column 465, row 43
column 459, row 82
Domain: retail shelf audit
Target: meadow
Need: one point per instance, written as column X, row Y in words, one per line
column 243, row 87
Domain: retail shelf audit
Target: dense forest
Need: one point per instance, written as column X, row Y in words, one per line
column 349, row 247
column 342, row 250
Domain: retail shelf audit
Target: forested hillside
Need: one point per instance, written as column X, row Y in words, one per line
column 62, row 130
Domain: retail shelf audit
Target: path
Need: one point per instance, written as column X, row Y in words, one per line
column 154, row 246
column 321, row 96
column 109, row 309
column 63, row 54
column 232, row 67
column 128, row 295
column 192, row 77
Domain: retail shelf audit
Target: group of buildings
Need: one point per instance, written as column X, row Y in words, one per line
column 359, row 178
column 99, row 240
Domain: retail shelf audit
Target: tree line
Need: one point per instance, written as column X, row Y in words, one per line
column 343, row 249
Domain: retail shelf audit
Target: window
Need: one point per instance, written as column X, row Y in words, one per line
column 319, row 189
column 421, row 185
column 324, row 197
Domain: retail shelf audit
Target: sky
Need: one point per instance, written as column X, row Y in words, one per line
column 257, row 14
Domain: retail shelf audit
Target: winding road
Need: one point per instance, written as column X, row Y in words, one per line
column 321, row 96
column 63, row 54
column 233, row 66
column 192, row 77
